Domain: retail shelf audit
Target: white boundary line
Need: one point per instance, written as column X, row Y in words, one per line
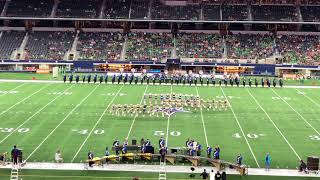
column 168, row 121
column 135, row 117
column 310, row 99
column 204, row 127
column 66, row 117
column 23, row 99
column 35, row 114
column 304, row 119
column 169, row 84
column 243, row 134
column 14, row 88
column 274, row 125
column 96, row 124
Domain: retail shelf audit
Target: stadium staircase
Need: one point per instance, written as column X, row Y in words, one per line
column 54, row 9
column 14, row 173
column 124, row 49
column 4, row 10
column 162, row 171
column 103, row 8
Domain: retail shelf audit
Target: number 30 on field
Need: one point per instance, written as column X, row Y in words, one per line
column 9, row 130
column 172, row 133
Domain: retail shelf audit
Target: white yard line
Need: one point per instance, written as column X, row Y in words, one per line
column 304, row 119
column 23, row 99
column 314, row 102
column 243, row 134
column 65, row 118
column 14, row 88
column 135, row 117
column 96, row 124
column 291, row 147
column 57, row 81
column 203, row 125
column 168, row 121
column 34, row 115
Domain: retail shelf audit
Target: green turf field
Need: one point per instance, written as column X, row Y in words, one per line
column 41, row 118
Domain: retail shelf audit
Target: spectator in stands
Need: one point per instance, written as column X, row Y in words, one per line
column 268, row 161
column 302, row 166
column 204, row 174
column 58, row 157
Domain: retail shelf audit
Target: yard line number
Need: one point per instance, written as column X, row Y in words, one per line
column 86, row 131
column 172, row 133
column 285, row 98
column 60, row 93
column 250, row 135
column 9, row 130
column 315, row 137
column 8, row 92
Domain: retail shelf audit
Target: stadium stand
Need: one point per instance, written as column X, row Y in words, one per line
column 187, row 12
column 31, row 8
column 249, row 46
column 118, row 9
column 211, row 12
column 75, row 8
column 199, row 45
column 139, row 9
column 49, row 45
column 310, row 13
column 299, row 49
column 100, row 46
column 149, row 46
column 274, row 13
column 10, row 41
column 234, row 13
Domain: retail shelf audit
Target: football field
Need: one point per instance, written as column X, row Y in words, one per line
column 75, row 118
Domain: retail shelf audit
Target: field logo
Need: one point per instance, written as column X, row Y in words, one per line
column 170, row 111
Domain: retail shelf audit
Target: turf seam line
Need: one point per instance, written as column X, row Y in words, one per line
column 23, row 99
column 66, row 117
column 135, row 117
column 203, row 124
column 14, row 88
column 243, row 134
column 280, row 132
column 95, row 125
column 304, row 119
column 310, row 99
column 37, row 112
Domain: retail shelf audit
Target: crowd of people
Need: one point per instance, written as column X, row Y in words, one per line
column 100, row 46
column 299, row 49
column 250, row 46
column 199, row 45
column 150, row 46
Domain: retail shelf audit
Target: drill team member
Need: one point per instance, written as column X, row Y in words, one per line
column 83, row 78
column 95, row 78
column 64, row 78
column 71, row 78
column 77, row 78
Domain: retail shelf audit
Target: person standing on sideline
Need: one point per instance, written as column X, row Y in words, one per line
column 268, row 161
